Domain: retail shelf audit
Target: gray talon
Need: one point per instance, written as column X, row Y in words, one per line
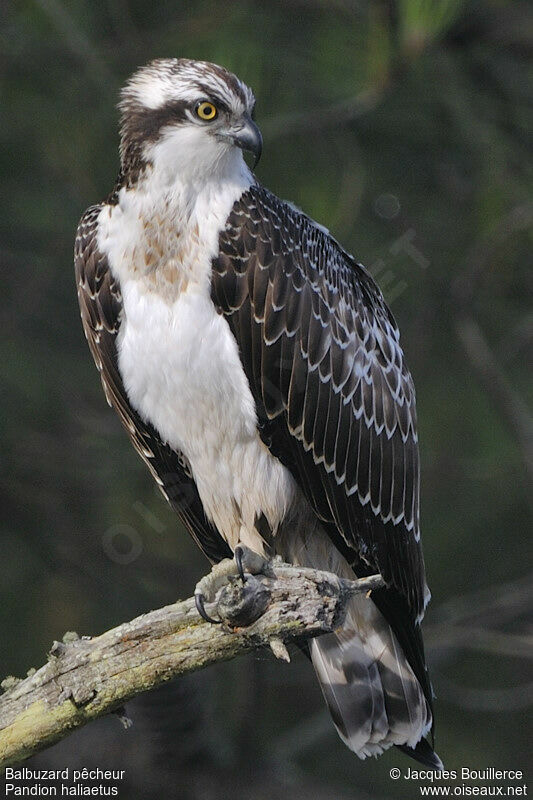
column 200, row 607
column 244, row 562
column 238, row 555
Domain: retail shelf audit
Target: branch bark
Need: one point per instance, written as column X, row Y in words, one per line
column 90, row 677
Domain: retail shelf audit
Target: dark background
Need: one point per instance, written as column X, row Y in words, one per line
column 402, row 126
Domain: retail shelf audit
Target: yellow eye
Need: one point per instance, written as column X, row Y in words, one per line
column 206, row 111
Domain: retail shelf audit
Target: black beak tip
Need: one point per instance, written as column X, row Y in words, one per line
column 250, row 139
column 257, row 153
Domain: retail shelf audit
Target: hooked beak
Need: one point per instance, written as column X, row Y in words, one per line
column 248, row 137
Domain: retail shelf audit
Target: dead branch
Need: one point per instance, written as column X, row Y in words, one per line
column 90, row 677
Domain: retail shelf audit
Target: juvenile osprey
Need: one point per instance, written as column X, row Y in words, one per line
column 259, row 374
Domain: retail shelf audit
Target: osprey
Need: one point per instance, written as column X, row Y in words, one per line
column 259, row 374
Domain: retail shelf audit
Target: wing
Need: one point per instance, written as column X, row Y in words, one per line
column 335, row 399
column 101, row 308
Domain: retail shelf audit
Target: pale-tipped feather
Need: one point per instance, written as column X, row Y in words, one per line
column 372, row 693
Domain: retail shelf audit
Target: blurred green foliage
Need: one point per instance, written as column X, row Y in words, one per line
column 402, row 125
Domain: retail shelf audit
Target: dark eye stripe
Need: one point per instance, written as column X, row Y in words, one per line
column 221, row 105
column 145, row 124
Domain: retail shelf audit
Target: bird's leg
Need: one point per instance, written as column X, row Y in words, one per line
column 244, row 561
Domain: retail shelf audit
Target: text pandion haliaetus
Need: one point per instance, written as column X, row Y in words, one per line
column 259, row 374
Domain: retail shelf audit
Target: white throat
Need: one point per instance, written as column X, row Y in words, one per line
column 191, row 157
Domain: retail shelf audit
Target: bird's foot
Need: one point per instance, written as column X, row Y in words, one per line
column 245, row 563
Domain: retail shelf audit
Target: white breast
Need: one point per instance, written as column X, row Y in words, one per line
column 180, row 362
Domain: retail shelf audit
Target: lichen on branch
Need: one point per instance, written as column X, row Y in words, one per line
column 89, row 677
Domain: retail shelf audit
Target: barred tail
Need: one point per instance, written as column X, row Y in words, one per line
column 374, row 681
column 371, row 691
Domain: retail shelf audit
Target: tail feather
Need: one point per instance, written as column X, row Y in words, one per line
column 371, row 691
column 424, row 754
column 372, row 670
column 345, row 676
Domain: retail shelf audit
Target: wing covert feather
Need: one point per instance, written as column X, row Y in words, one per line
column 321, row 352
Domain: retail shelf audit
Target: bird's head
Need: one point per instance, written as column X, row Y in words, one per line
column 186, row 118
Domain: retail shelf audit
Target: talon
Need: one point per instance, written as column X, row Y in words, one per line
column 200, row 607
column 238, row 554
